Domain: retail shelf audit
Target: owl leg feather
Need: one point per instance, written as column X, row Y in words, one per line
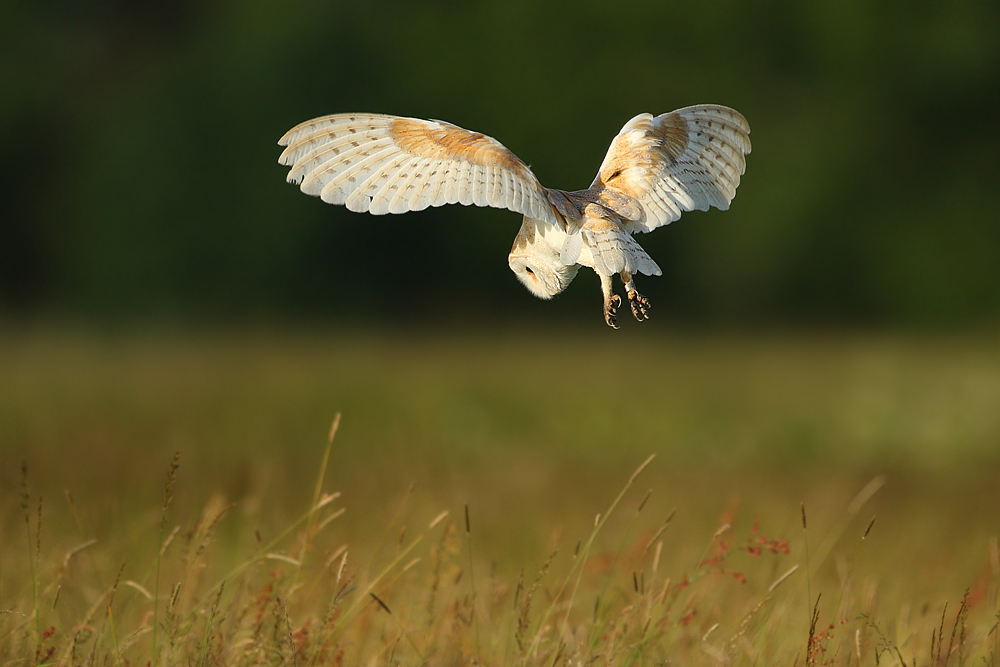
column 639, row 303
column 611, row 302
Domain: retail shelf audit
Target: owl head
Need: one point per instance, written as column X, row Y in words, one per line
column 534, row 259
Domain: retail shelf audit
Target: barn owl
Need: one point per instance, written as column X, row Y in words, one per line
column 655, row 169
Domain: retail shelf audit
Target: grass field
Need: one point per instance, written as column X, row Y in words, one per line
column 553, row 550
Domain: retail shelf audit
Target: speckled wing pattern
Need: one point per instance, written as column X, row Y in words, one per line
column 388, row 164
column 685, row 160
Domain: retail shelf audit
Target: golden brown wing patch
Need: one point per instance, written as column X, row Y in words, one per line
column 653, row 147
column 449, row 142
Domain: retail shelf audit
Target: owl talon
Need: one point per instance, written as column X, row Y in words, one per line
column 611, row 305
column 640, row 305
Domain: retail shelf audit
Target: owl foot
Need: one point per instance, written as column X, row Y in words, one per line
column 611, row 303
column 640, row 305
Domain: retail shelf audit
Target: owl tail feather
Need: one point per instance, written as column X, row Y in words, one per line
column 614, row 251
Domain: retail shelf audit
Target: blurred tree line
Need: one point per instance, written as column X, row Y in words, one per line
column 139, row 173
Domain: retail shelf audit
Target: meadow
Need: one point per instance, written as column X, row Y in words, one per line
column 518, row 497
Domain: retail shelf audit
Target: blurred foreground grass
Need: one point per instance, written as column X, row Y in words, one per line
column 535, row 432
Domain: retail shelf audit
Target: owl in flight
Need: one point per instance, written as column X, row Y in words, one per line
column 655, row 169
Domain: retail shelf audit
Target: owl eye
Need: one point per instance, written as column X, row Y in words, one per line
column 530, row 272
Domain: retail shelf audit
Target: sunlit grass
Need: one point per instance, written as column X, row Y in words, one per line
column 468, row 510
column 404, row 594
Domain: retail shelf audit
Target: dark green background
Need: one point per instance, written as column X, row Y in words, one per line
column 139, row 175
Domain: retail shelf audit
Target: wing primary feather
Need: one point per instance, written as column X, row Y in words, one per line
column 359, row 170
column 437, row 179
column 336, row 121
column 449, row 191
column 310, row 147
column 518, row 194
column 341, row 178
column 481, row 194
column 329, row 157
column 495, row 186
column 463, row 189
column 361, row 197
column 385, row 193
column 717, row 163
column 420, row 186
column 328, row 169
column 489, row 184
column 400, row 202
column 507, row 190
column 475, row 178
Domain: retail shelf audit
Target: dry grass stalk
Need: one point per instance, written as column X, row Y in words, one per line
column 611, row 604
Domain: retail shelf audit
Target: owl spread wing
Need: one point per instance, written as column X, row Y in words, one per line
column 388, row 164
column 684, row 160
